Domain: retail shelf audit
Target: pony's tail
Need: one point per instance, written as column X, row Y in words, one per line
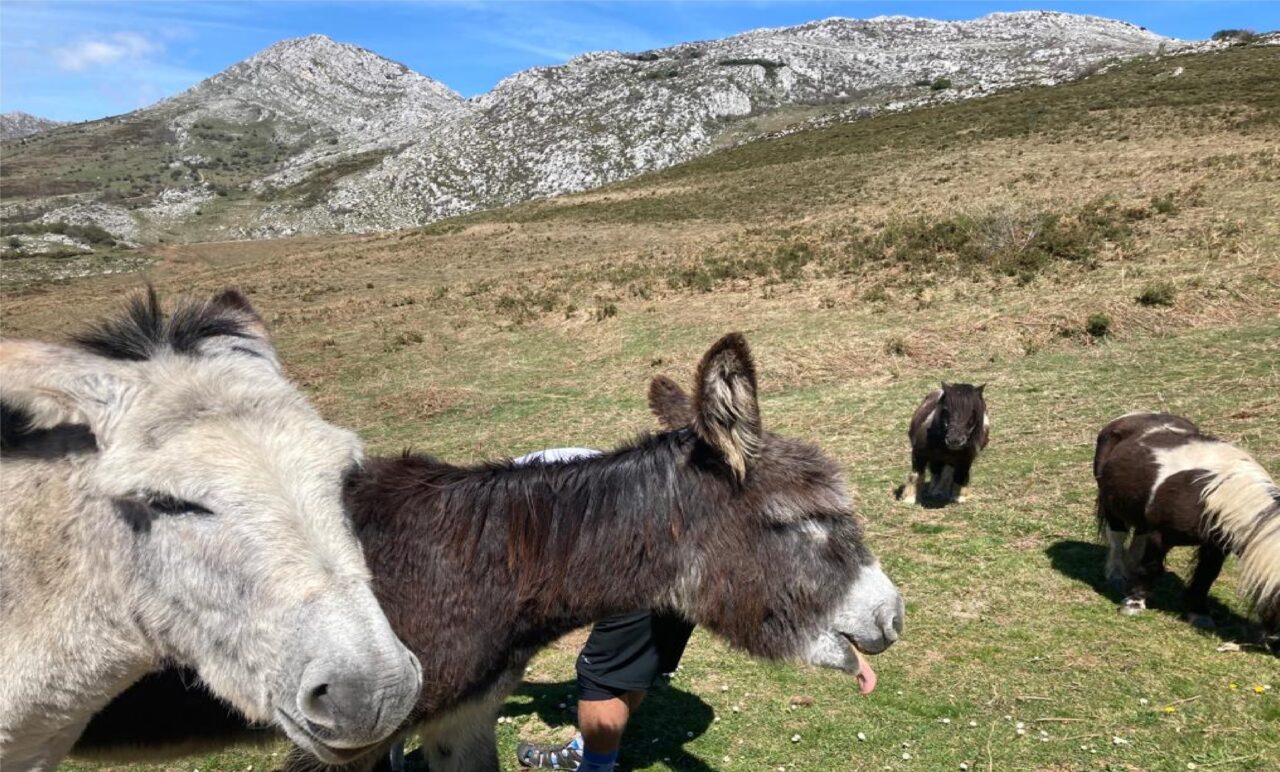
column 1101, row 519
column 1100, row 448
column 1243, row 507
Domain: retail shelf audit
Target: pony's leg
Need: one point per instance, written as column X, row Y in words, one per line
column 942, row 485
column 961, row 482
column 1145, row 571
column 1117, row 563
column 1209, row 559
column 1136, row 555
column 913, row 488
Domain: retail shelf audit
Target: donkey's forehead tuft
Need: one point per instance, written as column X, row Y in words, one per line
column 142, row 330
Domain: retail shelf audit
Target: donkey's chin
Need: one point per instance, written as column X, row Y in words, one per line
column 840, row 652
column 329, row 754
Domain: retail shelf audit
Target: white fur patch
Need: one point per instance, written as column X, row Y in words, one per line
column 1165, row 428
column 867, row 615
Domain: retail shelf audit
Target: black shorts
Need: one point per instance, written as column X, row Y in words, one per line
column 627, row 652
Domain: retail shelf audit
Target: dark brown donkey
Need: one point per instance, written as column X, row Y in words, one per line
column 1159, row 477
column 947, row 432
column 744, row 532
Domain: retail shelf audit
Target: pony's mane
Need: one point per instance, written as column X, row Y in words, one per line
column 963, row 400
column 1242, row 504
column 142, row 330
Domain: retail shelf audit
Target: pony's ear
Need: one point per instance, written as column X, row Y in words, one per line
column 981, row 386
column 54, row 385
column 726, row 413
column 670, row 404
column 945, row 385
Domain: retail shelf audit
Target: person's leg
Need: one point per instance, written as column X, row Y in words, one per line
column 602, row 721
column 621, row 659
column 616, row 665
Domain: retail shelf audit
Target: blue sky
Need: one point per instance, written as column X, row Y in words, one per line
column 72, row 60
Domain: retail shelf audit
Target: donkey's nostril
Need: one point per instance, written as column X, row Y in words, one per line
column 316, row 705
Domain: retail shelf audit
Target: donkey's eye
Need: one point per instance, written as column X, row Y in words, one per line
column 168, row 505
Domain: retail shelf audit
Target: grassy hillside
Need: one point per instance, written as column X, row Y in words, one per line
column 1086, row 250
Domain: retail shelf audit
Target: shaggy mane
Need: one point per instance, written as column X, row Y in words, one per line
column 964, row 401
column 142, row 330
column 546, row 511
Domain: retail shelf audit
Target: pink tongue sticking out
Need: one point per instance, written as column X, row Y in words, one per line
column 866, row 676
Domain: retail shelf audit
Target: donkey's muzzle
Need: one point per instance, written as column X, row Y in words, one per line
column 888, row 621
column 350, row 682
column 346, row 707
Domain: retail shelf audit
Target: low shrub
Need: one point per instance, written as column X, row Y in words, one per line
column 1157, row 293
column 1098, row 325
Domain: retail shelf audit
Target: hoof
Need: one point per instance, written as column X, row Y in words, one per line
column 1201, row 621
column 1132, row 607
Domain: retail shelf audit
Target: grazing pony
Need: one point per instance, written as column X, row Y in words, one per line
column 1160, row 478
column 947, row 432
column 747, row 533
column 168, row 497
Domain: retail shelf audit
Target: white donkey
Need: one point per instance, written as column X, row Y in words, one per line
column 168, row 496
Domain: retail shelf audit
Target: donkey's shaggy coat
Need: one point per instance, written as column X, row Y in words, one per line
column 1159, row 477
column 746, row 533
column 169, row 497
column 947, row 432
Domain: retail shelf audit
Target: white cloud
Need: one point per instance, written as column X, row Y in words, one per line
column 96, row 53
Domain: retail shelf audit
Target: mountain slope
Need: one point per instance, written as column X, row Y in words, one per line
column 17, row 124
column 607, row 116
column 315, row 136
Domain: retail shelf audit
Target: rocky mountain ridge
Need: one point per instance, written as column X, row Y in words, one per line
column 17, row 124
column 313, row 136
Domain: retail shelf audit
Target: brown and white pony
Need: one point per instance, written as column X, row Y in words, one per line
column 747, row 533
column 1160, row 478
column 167, row 497
column 947, row 432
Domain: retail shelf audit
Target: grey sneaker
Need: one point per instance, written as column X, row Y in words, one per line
column 567, row 756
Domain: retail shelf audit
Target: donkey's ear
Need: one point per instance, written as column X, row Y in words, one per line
column 670, row 404
column 232, row 301
column 726, row 413
column 234, row 325
column 54, row 385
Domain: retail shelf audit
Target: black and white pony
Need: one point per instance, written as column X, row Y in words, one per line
column 1161, row 479
column 947, row 432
